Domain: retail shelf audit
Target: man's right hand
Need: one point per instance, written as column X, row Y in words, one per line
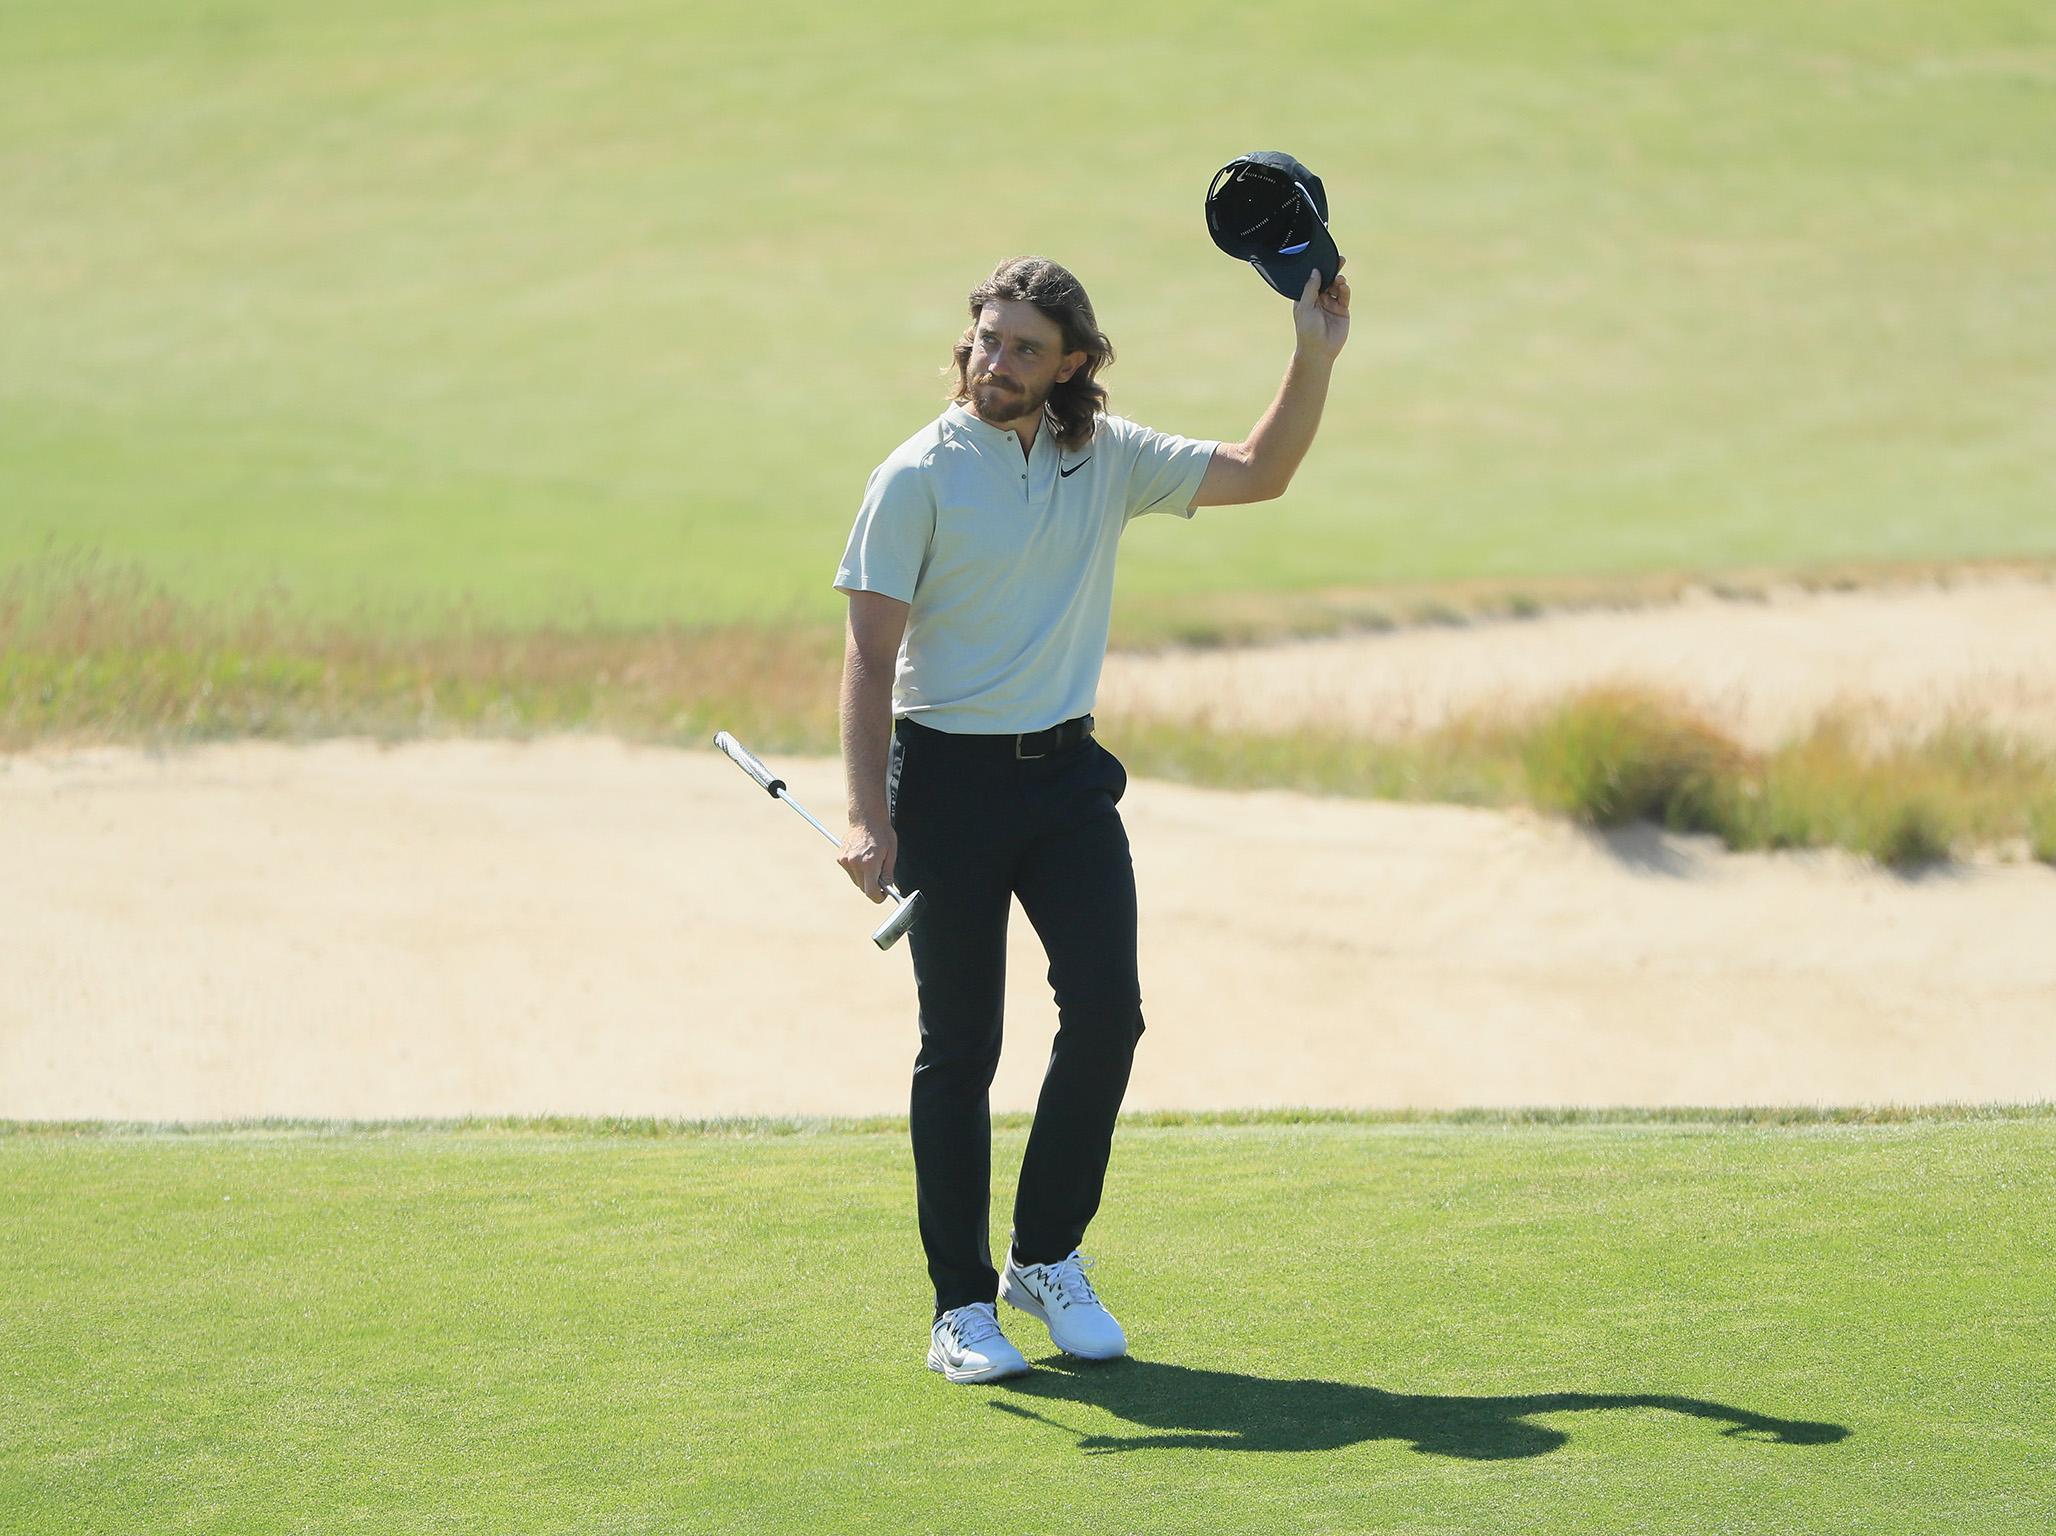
column 876, row 626
column 867, row 856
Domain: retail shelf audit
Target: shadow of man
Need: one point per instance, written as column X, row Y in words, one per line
column 1226, row 1411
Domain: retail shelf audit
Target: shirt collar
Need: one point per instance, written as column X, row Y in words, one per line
column 963, row 416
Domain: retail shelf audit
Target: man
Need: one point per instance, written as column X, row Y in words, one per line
column 980, row 583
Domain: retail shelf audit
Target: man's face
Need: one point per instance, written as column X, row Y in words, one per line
column 1017, row 358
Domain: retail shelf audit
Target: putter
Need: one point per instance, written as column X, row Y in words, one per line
column 909, row 907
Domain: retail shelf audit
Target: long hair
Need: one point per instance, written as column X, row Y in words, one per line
column 1074, row 406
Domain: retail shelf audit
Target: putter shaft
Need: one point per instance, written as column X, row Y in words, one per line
column 891, row 930
column 783, row 794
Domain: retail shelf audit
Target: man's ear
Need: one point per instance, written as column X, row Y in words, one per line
column 1073, row 361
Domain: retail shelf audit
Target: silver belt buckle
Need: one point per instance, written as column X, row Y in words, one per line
column 1026, row 757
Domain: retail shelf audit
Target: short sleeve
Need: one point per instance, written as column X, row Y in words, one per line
column 889, row 543
column 1165, row 470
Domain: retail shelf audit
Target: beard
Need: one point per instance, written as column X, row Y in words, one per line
column 997, row 402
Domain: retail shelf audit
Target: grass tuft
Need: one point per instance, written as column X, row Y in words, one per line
column 1904, row 803
column 1615, row 756
column 2041, row 830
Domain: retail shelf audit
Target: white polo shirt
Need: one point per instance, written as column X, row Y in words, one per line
column 1008, row 562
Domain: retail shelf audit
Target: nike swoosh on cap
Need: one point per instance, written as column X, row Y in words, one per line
column 1065, row 474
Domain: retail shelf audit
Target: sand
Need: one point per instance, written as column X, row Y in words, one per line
column 578, row 926
column 1901, row 660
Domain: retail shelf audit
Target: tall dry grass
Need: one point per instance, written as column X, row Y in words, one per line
column 93, row 655
column 90, row 654
column 1609, row 757
column 1614, row 755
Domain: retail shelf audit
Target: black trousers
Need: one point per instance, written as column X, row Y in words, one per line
column 977, row 827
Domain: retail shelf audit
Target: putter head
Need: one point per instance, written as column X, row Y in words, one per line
column 902, row 919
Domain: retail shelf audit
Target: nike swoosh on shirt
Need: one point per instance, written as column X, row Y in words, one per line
column 1065, row 474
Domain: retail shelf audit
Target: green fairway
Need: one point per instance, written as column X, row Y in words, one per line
column 1653, row 1326
column 606, row 311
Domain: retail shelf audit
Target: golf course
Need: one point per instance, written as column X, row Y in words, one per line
column 1595, row 834
column 1355, row 1325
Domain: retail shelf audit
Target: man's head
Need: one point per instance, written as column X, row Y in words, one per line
column 1033, row 346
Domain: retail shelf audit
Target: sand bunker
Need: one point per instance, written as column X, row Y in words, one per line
column 1765, row 670
column 578, row 926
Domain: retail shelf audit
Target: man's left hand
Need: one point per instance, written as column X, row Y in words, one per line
column 1321, row 316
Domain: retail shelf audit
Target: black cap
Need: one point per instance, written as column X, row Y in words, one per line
column 1267, row 209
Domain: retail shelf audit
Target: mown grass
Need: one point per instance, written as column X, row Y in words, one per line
column 104, row 657
column 1585, row 1327
column 658, row 1128
column 612, row 308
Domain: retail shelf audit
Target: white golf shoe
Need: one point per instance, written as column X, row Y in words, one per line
column 966, row 1345
column 1059, row 1294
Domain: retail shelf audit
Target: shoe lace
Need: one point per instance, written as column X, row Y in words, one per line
column 971, row 1324
column 1071, row 1282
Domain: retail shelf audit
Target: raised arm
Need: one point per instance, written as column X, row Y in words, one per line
column 870, row 652
column 1261, row 466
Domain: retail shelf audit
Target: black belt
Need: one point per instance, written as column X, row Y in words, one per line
column 1055, row 739
column 1024, row 746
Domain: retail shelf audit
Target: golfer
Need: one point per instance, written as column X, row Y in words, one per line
column 980, row 580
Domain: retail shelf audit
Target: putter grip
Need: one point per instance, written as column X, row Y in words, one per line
column 740, row 755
